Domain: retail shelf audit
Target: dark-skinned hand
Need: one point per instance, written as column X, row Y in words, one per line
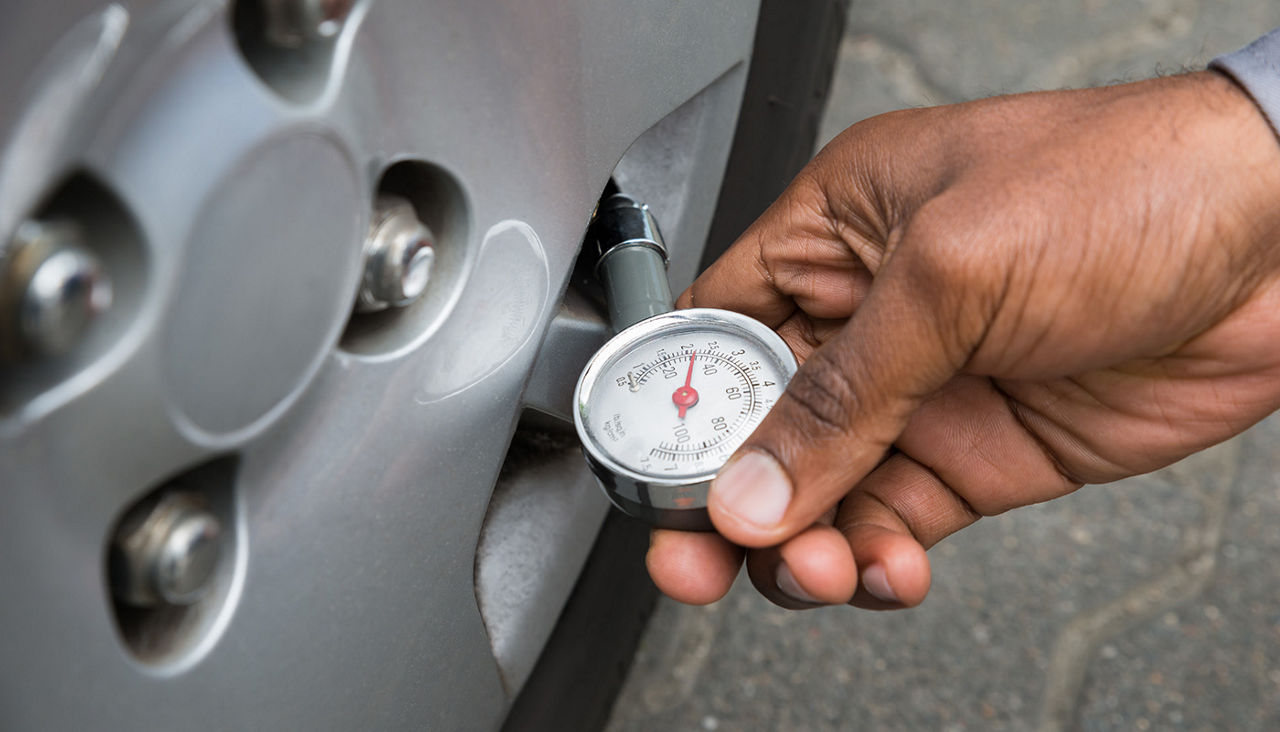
column 994, row 303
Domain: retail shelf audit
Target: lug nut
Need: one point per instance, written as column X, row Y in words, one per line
column 53, row 289
column 166, row 552
column 294, row 23
column 398, row 255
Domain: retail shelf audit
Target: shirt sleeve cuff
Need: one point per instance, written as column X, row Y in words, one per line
column 1256, row 67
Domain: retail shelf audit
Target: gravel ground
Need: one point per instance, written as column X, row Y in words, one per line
column 1153, row 603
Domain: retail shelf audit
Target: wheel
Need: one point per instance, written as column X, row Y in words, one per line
column 289, row 325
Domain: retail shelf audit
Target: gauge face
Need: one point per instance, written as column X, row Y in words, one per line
column 671, row 398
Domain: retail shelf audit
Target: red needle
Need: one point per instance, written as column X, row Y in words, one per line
column 686, row 396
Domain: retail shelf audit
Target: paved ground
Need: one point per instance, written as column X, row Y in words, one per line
column 1149, row 604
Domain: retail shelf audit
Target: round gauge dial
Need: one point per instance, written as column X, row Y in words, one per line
column 668, row 400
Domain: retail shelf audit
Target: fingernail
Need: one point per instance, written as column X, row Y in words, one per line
column 876, row 582
column 754, row 489
column 787, row 584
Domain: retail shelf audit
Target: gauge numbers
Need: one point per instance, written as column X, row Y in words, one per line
column 677, row 402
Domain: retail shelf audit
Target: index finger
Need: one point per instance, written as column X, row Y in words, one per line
column 792, row 258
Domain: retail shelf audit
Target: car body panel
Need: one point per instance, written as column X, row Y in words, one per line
column 363, row 472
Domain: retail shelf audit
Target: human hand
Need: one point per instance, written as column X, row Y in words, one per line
column 994, row 303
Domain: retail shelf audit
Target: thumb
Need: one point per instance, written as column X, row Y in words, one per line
column 850, row 400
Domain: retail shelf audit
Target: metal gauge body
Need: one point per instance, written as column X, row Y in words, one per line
column 663, row 404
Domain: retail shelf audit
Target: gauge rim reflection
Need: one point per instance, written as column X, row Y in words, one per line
column 608, row 469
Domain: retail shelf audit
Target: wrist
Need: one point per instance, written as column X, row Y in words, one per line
column 1237, row 154
column 1255, row 69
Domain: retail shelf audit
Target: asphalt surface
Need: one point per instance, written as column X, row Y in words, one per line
column 1153, row 603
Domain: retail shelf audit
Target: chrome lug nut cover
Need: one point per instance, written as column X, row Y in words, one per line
column 293, row 23
column 399, row 253
column 168, row 554
column 55, row 287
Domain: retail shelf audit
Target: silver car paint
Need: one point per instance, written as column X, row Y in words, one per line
column 353, row 592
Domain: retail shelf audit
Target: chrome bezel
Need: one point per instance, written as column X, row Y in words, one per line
column 652, row 490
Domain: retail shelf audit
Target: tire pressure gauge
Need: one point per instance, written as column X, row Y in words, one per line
column 665, row 402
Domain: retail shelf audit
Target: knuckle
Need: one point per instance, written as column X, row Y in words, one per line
column 951, row 237
column 941, row 252
column 823, row 394
column 955, row 261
